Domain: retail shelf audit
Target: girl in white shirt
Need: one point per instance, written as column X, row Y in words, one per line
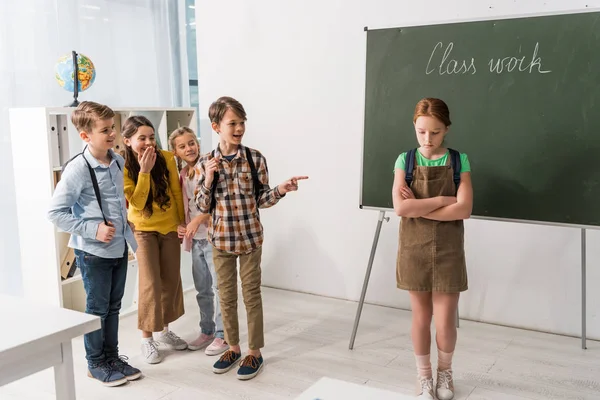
column 185, row 146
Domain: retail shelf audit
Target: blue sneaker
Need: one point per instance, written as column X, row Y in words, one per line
column 250, row 367
column 106, row 375
column 226, row 362
column 120, row 364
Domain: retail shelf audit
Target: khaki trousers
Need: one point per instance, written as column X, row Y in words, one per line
column 160, row 299
column 250, row 274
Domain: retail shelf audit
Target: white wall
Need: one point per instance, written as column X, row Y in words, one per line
column 298, row 67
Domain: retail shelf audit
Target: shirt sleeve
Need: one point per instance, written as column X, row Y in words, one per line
column 267, row 197
column 203, row 197
column 400, row 162
column 174, row 184
column 136, row 195
column 66, row 194
column 465, row 164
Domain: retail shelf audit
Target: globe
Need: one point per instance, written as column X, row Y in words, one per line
column 64, row 72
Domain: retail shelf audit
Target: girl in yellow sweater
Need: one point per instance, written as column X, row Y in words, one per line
column 156, row 209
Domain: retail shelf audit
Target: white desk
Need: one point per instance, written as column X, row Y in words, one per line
column 333, row 389
column 35, row 337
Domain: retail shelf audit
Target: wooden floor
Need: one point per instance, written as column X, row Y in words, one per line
column 307, row 338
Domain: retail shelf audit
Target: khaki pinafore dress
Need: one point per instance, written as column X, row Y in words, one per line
column 431, row 254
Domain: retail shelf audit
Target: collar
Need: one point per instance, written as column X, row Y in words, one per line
column 187, row 167
column 95, row 163
column 241, row 152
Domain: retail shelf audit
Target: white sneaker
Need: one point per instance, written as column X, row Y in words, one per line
column 444, row 388
column 425, row 388
column 171, row 339
column 150, row 352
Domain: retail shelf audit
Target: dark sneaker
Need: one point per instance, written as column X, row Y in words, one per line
column 250, row 367
column 120, row 364
column 106, row 375
column 226, row 362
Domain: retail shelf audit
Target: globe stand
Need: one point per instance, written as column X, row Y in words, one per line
column 75, row 102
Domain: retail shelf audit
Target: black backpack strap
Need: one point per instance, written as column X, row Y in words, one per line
column 409, row 165
column 254, row 173
column 456, row 166
column 213, row 200
column 94, row 180
column 96, row 187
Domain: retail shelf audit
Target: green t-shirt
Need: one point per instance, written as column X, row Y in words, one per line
column 425, row 162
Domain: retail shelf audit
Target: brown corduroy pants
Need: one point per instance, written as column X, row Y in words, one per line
column 160, row 298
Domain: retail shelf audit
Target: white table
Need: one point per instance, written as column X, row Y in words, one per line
column 333, row 389
column 34, row 337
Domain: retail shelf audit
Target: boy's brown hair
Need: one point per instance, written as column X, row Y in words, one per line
column 220, row 106
column 87, row 113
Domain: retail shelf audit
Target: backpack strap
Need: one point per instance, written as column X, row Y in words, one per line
column 254, row 173
column 96, row 187
column 409, row 166
column 94, row 180
column 456, row 166
column 213, row 200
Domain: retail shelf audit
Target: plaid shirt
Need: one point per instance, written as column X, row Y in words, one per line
column 235, row 224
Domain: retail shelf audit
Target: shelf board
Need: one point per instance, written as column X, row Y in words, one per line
column 73, row 279
column 77, row 276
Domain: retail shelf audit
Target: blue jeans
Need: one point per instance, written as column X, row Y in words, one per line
column 205, row 281
column 104, row 284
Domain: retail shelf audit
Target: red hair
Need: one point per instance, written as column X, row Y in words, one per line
column 432, row 107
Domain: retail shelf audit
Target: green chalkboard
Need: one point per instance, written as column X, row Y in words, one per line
column 524, row 98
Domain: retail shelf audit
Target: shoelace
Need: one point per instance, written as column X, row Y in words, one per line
column 106, row 368
column 121, row 361
column 426, row 385
column 250, row 361
column 444, row 379
column 228, row 356
column 151, row 346
column 172, row 336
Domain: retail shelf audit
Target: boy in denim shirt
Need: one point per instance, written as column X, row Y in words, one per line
column 99, row 234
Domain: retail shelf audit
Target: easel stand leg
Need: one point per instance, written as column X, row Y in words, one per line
column 583, row 289
column 367, row 276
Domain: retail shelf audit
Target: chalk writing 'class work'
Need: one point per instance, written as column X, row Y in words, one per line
column 441, row 61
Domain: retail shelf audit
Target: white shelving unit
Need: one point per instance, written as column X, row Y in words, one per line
column 43, row 139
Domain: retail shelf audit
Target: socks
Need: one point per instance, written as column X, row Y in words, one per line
column 146, row 339
column 423, row 366
column 444, row 360
column 165, row 330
